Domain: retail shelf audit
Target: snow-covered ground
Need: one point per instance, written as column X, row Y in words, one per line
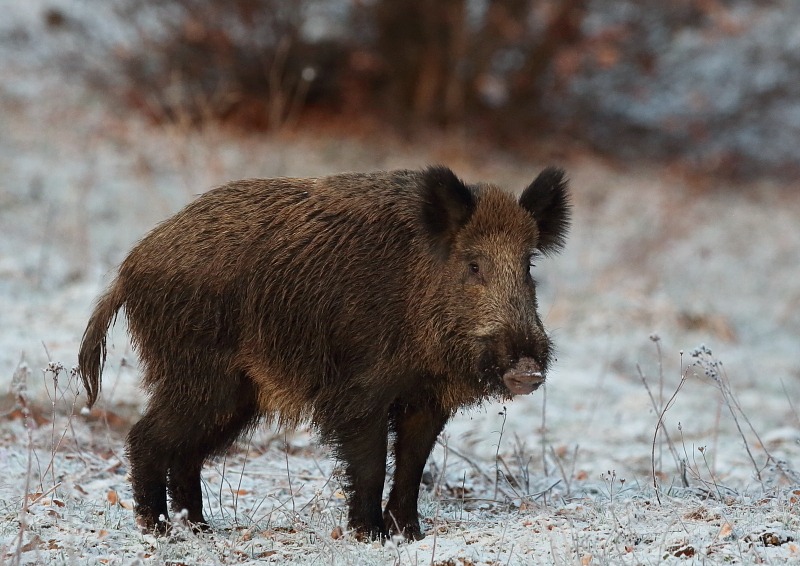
column 656, row 264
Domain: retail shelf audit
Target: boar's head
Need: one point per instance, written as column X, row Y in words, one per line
column 486, row 242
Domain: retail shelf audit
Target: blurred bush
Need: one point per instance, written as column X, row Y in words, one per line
column 258, row 62
column 713, row 83
column 242, row 60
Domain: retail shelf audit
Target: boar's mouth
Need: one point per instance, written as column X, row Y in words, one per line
column 525, row 377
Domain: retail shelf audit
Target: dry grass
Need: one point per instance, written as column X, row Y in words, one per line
column 277, row 498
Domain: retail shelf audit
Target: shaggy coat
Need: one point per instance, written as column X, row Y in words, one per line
column 372, row 305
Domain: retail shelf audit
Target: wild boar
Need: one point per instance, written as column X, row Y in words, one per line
column 371, row 305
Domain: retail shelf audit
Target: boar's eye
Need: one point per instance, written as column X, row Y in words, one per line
column 476, row 273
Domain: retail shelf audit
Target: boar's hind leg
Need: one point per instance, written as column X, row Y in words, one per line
column 416, row 430
column 361, row 444
column 213, row 422
column 185, row 489
column 168, row 446
column 148, row 458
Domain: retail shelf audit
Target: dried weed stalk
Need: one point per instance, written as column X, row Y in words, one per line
column 713, row 369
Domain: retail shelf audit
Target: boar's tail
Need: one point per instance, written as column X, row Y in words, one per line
column 92, row 355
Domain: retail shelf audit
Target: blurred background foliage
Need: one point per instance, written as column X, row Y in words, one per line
column 712, row 84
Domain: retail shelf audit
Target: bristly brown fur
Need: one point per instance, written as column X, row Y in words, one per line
column 548, row 202
column 373, row 305
column 92, row 356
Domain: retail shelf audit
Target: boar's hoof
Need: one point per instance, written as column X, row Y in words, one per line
column 163, row 528
column 526, row 376
column 408, row 529
column 198, row 528
column 368, row 535
column 150, row 526
column 412, row 532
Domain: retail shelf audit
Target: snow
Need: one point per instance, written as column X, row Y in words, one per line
column 655, row 264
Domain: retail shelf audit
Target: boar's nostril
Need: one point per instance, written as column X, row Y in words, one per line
column 527, row 366
column 525, row 377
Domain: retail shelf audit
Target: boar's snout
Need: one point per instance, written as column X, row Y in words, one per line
column 518, row 366
column 524, row 377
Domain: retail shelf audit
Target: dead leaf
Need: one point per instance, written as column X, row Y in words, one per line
column 686, row 551
column 701, row 513
column 586, row 559
column 337, row 532
column 38, row 418
column 112, row 497
column 100, row 415
column 32, row 544
column 771, row 537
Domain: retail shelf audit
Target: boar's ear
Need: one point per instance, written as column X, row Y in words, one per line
column 447, row 204
column 547, row 200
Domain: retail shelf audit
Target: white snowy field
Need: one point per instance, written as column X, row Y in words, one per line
column 656, row 264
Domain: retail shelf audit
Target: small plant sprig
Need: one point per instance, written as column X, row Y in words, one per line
column 497, row 472
column 659, row 425
column 610, row 478
column 713, row 369
column 19, row 387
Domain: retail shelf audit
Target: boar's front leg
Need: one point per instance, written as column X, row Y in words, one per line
column 361, row 444
column 416, row 429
